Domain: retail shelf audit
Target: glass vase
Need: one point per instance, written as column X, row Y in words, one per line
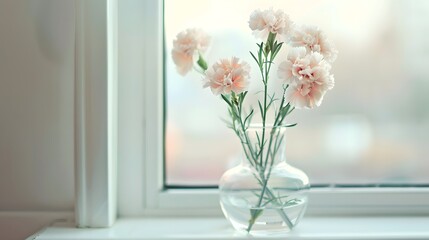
column 263, row 194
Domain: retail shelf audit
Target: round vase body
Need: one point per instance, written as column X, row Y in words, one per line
column 264, row 194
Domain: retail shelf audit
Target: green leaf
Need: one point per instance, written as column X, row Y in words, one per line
column 285, row 110
column 254, row 58
column 202, row 63
column 260, row 107
column 259, row 92
column 290, row 110
column 272, row 99
column 257, row 144
column 226, row 100
column 249, row 120
column 277, row 50
column 291, row 125
column 245, row 93
column 260, row 53
column 249, row 117
column 274, row 49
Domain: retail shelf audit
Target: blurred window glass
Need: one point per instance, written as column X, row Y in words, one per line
column 372, row 128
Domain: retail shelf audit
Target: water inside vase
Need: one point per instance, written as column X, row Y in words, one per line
column 238, row 206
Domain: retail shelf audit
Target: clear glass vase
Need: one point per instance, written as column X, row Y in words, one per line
column 264, row 194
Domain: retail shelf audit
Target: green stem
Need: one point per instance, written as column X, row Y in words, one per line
column 273, row 130
column 281, row 212
column 265, row 68
column 264, row 181
column 246, row 141
column 264, row 114
column 258, row 212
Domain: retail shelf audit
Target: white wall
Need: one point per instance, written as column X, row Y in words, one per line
column 36, row 112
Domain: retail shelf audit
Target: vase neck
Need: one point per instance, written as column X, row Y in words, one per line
column 278, row 158
column 270, row 153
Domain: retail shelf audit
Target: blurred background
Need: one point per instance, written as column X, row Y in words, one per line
column 372, row 128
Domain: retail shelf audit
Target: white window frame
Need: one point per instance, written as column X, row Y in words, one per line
column 96, row 117
column 140, row 140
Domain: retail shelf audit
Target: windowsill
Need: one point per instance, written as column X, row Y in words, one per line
column 218, row 228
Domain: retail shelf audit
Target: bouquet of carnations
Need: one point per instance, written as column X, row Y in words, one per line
column 305, row 76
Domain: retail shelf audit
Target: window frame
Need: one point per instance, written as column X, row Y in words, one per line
column 95, row 110
column 148, row 197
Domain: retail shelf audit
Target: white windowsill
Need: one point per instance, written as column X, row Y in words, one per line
column 319, row 228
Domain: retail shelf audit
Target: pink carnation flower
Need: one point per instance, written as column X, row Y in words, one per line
column 264, row 22
column 315, row 40
column 305, row 95
column 228, row 76
column 186, row 45
column 307, row 74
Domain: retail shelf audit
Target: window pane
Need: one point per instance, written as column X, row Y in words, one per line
column 373, row 127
